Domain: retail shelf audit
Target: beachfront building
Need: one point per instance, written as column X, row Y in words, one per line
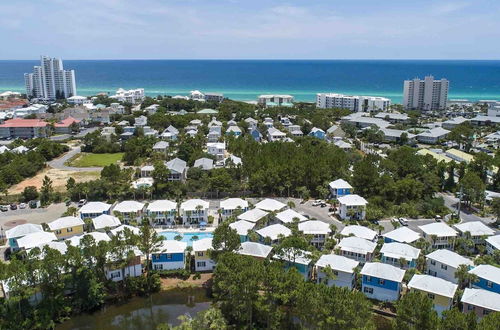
column 440, row 291
column 242, row 227
column 232, row 206
column 488, row 278
column 319, row 231
column 162, row 212
column 353, row 103
column 440, row 235
column 444, row 264
column 105, row 222
column 400, row 255
column 480, row 301
column 359, row 231
column 477, row 231
column 194, row 211
column 202, row 260
column 401, row 235
column 301, row 261
column 49, row 80
column 273, row 233
column 352, row 207
column 275, row 100
column 94, row 209
column 255, row 250
column 339, row 188
column 356, row 248
column 341, row 268
column 427, row 94
column 171, row 255
column 129, row 211
column 133, row 96
column 66, row 227
column 381, row 281
column 19, row 231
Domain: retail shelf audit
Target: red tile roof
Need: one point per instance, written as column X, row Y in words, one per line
column 20, row 122
column 66, row 122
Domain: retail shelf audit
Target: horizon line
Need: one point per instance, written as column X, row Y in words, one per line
column 258, row 59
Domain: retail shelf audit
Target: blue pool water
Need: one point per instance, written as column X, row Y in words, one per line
column 186, row 237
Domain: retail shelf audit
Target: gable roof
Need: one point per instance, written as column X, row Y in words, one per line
column 359, row 231
column 352, row 200
column 314, row 227
column 383, row 271
column 482, row 298
column 95, row 207
column 35, row 239
column 288, row 215
column 488, row 272
column 22, row 230
column 255, row 249
column 336, row 262
column 400, row 250
column 475, row 228
column 274, row 231
column 403, row 235
column 253, row 215
column 358, row 245
column 449, row 258
column 104, row 221
column 340, row 184
column 242, row 227
column 439, row 229
column 65, row 222
column 433, row 284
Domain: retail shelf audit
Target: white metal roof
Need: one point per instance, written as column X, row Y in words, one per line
column 494, row 241
column 270, row 205
column 253, row 215
column 242, row 227
column 336, row 262
column 65, row 222
column 104, row 221
column 121, row 228
column 340, row 184
column 98, row 237
column 400, row 250
column 439, row 229
column 59, row 246
column 301, row 257
column 359, row 231
column 35, row 239
column 273, row 231
column 403, row 235
column 450, row 258
column 482, row 298
column 95, row 207
column 173, row 246
column 488, row 272
column 433, row 284
column 352, row 200
column 357, row 245
column 128, row 206
column 288, row 215
column 22, row 230
column 192, row 204
column 203, row 244
column 163, row 205
column 314, row 227
column 233, row 203
column 475, row 228
column 383, row 271
column 255, row 249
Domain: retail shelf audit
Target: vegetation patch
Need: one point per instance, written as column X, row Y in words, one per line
column 94, row 160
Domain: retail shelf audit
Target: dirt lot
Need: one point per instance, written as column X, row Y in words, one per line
column 170, row 283
column 58, row 177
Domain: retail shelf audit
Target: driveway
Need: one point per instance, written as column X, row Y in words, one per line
column 58, row 163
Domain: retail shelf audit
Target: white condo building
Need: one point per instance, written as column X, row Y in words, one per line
column 131, row 96
column 50, row 81
column 427, row 94
column 353, row 103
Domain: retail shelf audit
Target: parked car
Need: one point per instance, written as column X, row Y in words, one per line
column 67, row 202
column 34, row 204
column 323, row 204
column 22, row 205
column 4, row 208
column 82, row 202
column 317, row 202
column 438, row 218
column 403, row 222
column 13, row 206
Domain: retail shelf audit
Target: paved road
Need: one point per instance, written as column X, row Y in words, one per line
column 58, row 163
column 451, row 202
column 37, row 216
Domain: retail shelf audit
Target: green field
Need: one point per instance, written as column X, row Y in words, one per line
column 94, row 160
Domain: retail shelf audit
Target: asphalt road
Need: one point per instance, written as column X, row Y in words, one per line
column 58, row 163
column 451, row 202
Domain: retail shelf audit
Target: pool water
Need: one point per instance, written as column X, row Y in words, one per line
column 186, row 237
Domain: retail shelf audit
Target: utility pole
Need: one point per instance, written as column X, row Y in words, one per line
column 460, row 200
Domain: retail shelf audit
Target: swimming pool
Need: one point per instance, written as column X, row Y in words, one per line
column 186, row 237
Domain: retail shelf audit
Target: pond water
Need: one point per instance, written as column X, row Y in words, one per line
column 143, row 313
column 186, row 237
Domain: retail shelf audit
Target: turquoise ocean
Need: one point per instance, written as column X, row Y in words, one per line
column 246, row 79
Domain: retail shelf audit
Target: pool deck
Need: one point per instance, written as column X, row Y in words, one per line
column 183, row 230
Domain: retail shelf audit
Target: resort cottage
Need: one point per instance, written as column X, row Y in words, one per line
column 162, row 212
column 440, row 235
column 440, row 291
column 194, row 211
column 400, row 255
column 444, row 264
column 256, row 250
column 242, row 227
column 93, row 209
column 121, row 230
column 356, row 248
column 489, row 278
column 342, row 269
column 401, row 235
column 301, row 262
column 177, row 168
column 254, row 216
column 480, row 301
column 339, row 188
column 381, row 281
column 19, row 231
column 493, row 244
column 352, row 207
column 35, row 239
column 359, row 231
column 477, row 230
column 318, row 230
column 66, row 227
column 272, row 234
column 202, row 260
column 96, row 235
column 270, row 205
column 129, row 211
column 104, row 221
column 232, row 206
column 170, row 256
column 288, row 216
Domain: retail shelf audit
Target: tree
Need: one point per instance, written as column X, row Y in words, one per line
column 454, row 319
column 46, row 191
column 148, row 243
column 489, row 322
column 495, row 207
column 225, row 239
column 473, row 188
column 415, row 311
column 212, row 319
column 29, row 193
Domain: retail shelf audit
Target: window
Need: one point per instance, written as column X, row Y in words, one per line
column 200, row 254
column 115, row 274
column 169, row 256
column 470, row 307
column 431, row 296
column 489, row 284
column 69, row 230
column 201, row 264
column 336, row 273
column 368, row 290
column 381, row 281
column 486, row 312
column 159, row 267
column 58, row 232
column 433, row 262
column 444, row 267
column 368, row 278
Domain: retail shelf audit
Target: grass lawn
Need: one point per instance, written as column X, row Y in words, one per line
column 94, row 160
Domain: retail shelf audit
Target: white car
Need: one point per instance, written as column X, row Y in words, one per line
column 317, row 202
column 22, row 205
column 403, row 222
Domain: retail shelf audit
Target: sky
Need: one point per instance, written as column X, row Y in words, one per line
column 250, row 29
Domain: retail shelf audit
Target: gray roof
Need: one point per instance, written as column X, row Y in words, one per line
column 204, row 163
column 176, row 165
column 172, row 129
column 161, row 145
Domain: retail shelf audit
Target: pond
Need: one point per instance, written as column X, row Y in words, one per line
column 186, row 237
column 143, row 313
